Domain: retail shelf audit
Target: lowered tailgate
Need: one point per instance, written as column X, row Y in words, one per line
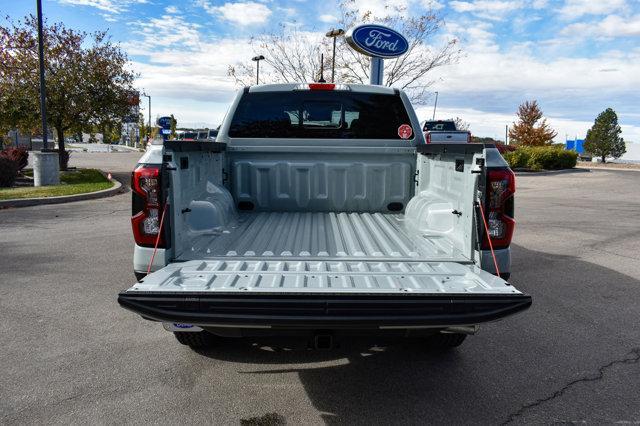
column 308, row 293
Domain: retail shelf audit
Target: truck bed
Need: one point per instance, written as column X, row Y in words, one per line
column 322, row 236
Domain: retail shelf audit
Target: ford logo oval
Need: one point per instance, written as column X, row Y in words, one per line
column 377, row 41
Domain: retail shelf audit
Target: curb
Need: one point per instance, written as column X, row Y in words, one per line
column 553, row 172
column 129, row 148
column 25, row 202
column 610, row 169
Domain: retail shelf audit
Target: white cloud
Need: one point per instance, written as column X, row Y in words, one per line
column 329, row 19
column 494, row 80
column 380, row 8
column 487, row 9
column 431, row 4
column 288, row 11
column 171, row 9
column 383, row 8
column 611, row 26
column 539, row 4
column 181, row 66
column 241, row 13
column 110, row 6
column 573, row 9
column 167, row 31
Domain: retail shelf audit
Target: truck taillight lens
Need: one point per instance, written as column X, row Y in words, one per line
column 427, row 137
column 146, row 205
column 500, row 188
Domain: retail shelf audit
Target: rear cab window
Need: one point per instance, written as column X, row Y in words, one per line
column 308, row 114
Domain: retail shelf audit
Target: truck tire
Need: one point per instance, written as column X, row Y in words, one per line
column 446, row 340
column 197, row 340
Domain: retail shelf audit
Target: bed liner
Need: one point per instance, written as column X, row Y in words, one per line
column 322, row 235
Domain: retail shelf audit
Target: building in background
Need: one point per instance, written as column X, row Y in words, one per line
column 576, row 145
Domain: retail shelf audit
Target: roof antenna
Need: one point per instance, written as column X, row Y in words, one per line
column 322, row 80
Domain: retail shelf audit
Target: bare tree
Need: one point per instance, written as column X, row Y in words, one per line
column 294, row 56
column 291, row 56
column 461, row 124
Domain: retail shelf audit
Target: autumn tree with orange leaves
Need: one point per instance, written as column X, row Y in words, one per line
column 531, row 129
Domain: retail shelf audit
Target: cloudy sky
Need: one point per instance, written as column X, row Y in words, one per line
column 576, row 57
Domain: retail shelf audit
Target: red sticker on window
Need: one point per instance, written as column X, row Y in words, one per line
column 405, row 131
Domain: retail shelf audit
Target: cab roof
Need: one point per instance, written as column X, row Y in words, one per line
column 288, row 87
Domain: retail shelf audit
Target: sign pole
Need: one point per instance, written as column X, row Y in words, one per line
column 377, row 71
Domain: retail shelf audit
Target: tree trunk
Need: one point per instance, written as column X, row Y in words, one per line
column 604, row 159
column 61, row 150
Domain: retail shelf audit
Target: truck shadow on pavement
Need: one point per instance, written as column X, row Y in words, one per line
column 498, row 375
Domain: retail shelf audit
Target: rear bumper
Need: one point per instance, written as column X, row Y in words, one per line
column 142, row 256
column 323, row 311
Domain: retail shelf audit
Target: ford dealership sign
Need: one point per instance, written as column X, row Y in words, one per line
column 377, row 41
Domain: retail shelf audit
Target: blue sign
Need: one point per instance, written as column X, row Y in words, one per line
column 164, row 122
column 377, row 41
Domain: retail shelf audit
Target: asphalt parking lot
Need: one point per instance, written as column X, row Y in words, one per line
column 70, row 354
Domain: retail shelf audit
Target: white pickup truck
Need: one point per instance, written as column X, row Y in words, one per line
column 319, row 210
column 444, row 131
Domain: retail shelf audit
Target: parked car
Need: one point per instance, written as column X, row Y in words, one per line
column 444, row 131
column 187, row 135
column 322, row 212
column 213, row 133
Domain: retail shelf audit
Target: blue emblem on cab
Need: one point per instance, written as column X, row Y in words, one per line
column 377, row 41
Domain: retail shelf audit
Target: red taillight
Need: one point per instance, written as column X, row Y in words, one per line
column 501, row 185
column 145, row 220
column 427, row 137
column 321, row 86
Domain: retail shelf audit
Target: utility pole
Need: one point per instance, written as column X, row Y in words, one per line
column 334, row 34
column 43, row 98
column 257, row 59
column 506, row 134
column 434, row 107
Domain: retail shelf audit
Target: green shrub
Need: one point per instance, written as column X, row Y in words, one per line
column 517, row 159
column 8, row 172
column 541, row 158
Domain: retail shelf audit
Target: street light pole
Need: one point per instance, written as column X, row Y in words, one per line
column 149, row 128
column 434, row 107
column 43, row 102
column 257, row 59
column 334, row 34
